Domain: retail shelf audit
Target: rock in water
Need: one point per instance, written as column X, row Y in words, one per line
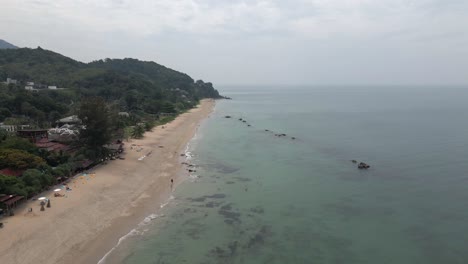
column 363, row 165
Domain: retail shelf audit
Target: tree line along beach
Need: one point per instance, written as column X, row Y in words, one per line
column 104, row 207
column 85, row 148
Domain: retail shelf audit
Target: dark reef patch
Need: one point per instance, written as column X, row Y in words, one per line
column 203, row 198
column 226, row 207
column 212, row 204
column 199, row 199
column 190, row 210
column 230, row 217
column 257, row 210
column 216, row 196
column 193, row 228
column 242, row 179
column 222, row 168
column 223, row 255
column 259, row 237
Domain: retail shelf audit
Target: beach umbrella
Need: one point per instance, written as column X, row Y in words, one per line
column 57, row 190
column 42, row 198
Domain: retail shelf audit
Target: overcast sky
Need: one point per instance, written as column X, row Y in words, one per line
column 257, row 41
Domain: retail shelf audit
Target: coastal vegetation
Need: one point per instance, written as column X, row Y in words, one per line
column 34, row 166
column 114, row 99
column 139, row 87
column 97, row 126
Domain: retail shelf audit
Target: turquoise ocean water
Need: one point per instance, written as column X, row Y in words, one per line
column 259, row 198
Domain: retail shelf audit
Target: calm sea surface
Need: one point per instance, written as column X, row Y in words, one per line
column 259, row 198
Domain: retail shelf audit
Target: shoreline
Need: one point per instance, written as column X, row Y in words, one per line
column 101, row 209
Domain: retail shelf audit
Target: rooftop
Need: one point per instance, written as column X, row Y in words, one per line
column 69, row 119
column 11, row 172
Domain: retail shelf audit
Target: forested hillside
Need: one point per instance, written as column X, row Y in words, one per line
column 6, row 45
column 113, row 98
column 133, row 86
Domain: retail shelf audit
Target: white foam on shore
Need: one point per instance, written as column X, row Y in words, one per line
column 188, row 156
column 168, row 201
column 189, row 147
column 135, row 232
column 148, row 219
column 193, row 177
column 131, row 233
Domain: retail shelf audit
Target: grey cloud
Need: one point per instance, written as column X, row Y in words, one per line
column 258, row 41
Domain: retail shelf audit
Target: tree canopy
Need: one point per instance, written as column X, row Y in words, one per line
column 140, row 87
column 97, row 126
column 110, row 96
column 19, row 159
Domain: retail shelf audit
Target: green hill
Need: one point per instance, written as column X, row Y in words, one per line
column 6, row 45
column 133, row 85
column 97, row 92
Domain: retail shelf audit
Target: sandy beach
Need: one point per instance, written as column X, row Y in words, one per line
column 105, row 204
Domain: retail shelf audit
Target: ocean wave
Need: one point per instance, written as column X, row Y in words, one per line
column 168, row 201
column 148, row 219
column 193, row 177
column 188, row 155
column 135, row 232
column 192, row 143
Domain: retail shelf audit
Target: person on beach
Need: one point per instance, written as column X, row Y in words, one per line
column 172, row 183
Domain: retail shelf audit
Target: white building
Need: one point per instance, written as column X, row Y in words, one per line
column 8, row 128
column 69, row 120
column 11, row 81
column 13, row 128
column 52, row 87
